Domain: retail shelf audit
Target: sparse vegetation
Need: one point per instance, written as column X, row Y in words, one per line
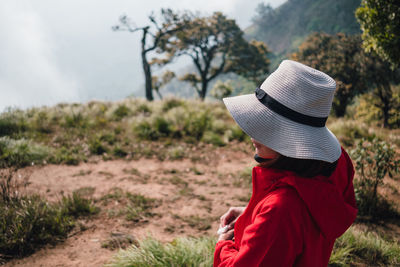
column 139, row 207
column 374, row 159
column 354, row 247
column 119, row 241
column 364, row 248
column 173, row 129
column 72, row 133
column 180, row 252
column 29, row 221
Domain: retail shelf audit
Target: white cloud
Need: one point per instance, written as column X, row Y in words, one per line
column 64, row 50
column 29, row 73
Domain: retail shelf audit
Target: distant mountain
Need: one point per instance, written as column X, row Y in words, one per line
column 284, row 28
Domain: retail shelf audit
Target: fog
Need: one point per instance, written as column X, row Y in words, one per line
column 64, row 51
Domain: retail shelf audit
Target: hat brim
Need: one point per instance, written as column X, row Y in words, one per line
column 286, row 137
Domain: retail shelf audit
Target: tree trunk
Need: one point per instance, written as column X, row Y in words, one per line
column 384, row 94
column 339, row 106
column 146, row 68
column 147, row 75
column 203, row 92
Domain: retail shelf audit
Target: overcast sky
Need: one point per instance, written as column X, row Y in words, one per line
column 64, row 50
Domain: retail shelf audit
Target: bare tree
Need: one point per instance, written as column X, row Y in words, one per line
column 157, row 32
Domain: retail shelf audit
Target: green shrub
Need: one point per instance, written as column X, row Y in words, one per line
column 121, row 112
column 213, row 138
column 10, row 124
column 366, row 249
column 96, row 147
column 76, row 205
column 76, row 120
column 143, row 108
column 171, row 103
column 110, row 138
column 145, row 130
column 69, row 156
column 161, row 126
column 119, row 152
column 180, row 252
column 42, row 122
column 236, row 133
column 30, row 222
column 196, row 123
column 21, row 152
column 374, row 160
column 348, row 131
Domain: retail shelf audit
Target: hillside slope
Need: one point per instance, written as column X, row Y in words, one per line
column 285, row 27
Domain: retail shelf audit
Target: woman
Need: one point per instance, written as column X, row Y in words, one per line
column 303, row 195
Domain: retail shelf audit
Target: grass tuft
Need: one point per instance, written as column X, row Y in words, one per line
column 356, row 246
column 29, row 221
column 180, row 252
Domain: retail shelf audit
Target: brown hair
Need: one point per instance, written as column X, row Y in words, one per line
column 302, row 167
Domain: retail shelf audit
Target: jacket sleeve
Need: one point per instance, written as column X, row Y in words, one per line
column 274, row 238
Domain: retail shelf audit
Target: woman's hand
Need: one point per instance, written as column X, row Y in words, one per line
column 226, row 236
column 229, row 219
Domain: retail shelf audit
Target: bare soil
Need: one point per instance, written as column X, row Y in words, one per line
column 191, row 197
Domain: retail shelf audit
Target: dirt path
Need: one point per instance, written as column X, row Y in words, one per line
column 191, row 197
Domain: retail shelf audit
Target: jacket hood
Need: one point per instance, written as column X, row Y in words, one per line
column 329, row 200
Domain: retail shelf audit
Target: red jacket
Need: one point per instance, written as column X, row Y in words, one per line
column 290, row 220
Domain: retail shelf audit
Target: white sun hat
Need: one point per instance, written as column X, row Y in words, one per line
column 288, row 113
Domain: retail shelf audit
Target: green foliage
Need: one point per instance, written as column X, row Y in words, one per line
column 236, row 133
column 364, row 248
column 21, row 152
column 374, row 160
column 76, row 205
column 178, row 122
column 29, row 221
column 143, row 108
column 221, row 90
column 213, row 138
column 158, row 83
column 121, row 112
column 339, row 56
column 353, row 247
column 348, row 131
column 119, row 152
column 216, row 45
column 380, row 23
column 145, row 130
column 69, row 156
column 96, row 147
column 12, row 123
column 180, row 252
column 75, row 120
column 373, row 115
column 284, row 27
column 355, row 71
column 171, row 103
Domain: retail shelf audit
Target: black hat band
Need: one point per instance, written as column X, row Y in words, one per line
column 288, row 113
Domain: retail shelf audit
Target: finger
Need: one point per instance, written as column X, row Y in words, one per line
column 227, row 217
column 232, row 224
